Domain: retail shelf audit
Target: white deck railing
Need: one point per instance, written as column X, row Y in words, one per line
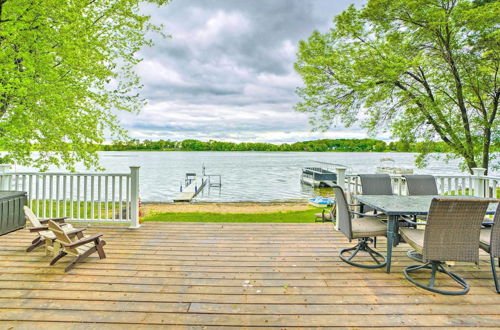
column 89, row 197
column 469, row 185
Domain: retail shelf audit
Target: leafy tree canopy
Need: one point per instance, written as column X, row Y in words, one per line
column 425, row 69
column 65, row 67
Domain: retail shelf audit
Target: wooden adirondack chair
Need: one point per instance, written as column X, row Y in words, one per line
column 45, row 236
column 81, row 248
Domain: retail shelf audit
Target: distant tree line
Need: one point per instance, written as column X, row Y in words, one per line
column 325, row 145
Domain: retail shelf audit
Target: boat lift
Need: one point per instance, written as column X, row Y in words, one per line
column 323, row 175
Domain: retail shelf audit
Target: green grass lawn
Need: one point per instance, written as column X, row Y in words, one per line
column 80, row 209
column 294, row 216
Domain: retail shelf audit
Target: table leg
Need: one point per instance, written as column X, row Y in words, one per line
column 391, row 239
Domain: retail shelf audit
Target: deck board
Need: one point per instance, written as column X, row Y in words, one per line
column 228, row 275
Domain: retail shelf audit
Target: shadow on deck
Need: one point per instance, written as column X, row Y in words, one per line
column 228, row 274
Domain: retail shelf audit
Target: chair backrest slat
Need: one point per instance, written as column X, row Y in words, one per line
column 495, row 234
column 32, row 218
column 453, row 229
column 421, row 185
column 343, row 215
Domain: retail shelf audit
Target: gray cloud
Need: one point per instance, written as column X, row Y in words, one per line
column 227, row 72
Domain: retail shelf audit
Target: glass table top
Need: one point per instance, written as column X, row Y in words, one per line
column 408, row 205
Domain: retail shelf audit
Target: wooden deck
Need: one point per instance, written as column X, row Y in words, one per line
column 227, row 275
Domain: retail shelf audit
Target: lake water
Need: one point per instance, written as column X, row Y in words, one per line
column 246, row 176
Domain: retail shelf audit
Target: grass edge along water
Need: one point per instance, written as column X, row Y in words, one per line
column 303, row 216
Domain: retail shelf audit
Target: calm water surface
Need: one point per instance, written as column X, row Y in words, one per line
column 246, row 176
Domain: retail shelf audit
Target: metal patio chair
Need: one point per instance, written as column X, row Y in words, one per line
column 362, row 228
column 421, row 185
column 489, row 241
column 451, row 234
column 375, row 184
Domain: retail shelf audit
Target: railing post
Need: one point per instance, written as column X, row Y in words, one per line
column 4, row 178
column 340, row 182
column 478, row 181
column 134, row 197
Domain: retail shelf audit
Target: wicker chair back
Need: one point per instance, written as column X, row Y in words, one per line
column 453, row 228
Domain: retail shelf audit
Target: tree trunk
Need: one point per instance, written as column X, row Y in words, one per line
column 486, row 148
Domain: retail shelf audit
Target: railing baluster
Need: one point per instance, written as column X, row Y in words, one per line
column 99, row 204
column 78, row 206
column 85, row 200
column 51, row 205
column 64, row 196
column 127, row 197
column 23, row 188
column 120, row 187
column 58, row 203
column 44, row 196
column 37, row 182
column 92, row 215
column 31, row 195
column 113, row 192
column 487, row 187
column 106, row 188
column 71, row 194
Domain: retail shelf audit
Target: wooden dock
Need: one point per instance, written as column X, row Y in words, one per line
column 218, row 275
column 193, row 189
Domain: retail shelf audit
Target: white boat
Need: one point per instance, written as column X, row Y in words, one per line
column 388, row 166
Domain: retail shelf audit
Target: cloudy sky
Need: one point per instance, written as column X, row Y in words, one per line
column 227, row 72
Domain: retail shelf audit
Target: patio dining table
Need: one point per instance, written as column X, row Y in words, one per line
column 395, row 206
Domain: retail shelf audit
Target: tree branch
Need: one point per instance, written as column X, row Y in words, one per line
column 423, row 80
column 457, row 145
column 449, row 58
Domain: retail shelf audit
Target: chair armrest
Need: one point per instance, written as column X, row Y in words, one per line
column 407, row 219
column 38, row 229
column 355, row 204
column 364, row 215
column 82, row 241
column 59, row 220
column 75, row 231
